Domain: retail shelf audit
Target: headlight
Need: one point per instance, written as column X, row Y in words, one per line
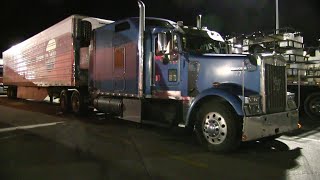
column 252, row 105
column 291, row 100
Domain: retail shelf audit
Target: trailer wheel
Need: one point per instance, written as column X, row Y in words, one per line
column 218, row 128
column 312, row 106
column 64, row 104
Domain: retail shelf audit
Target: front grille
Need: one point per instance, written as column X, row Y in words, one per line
column 275, row 84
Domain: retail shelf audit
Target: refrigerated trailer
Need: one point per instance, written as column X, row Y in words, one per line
column 156, row 71
column 50, row 61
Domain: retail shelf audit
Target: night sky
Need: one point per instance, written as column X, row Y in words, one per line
column 25, row 18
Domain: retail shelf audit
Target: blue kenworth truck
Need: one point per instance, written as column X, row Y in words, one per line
column 156, row 71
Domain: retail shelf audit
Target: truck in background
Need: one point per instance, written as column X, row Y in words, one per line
column 156, row 71
column 303, row 70
column 311, row 99
column 3, row 89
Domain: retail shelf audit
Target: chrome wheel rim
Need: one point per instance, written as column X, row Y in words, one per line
column 214, row 128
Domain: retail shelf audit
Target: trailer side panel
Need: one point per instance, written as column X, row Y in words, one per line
column 45, row 59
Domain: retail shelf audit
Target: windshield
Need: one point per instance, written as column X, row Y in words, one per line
column 199, row 41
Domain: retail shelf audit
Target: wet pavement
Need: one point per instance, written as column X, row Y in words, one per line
column 55, row 146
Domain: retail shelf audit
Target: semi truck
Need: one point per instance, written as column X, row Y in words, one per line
column 3, row 89
column 303, row 73
column 311, row 95
column 156, row 71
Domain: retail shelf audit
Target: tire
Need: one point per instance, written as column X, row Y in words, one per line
column 64, row 103
column 218, row 128
column 77, row 104
column 312, row 106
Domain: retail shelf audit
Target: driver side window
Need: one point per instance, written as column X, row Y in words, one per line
column 172, row 49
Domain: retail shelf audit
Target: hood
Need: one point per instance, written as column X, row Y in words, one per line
column 226, row 70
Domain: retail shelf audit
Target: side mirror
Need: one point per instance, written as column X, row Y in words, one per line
column 162, row 42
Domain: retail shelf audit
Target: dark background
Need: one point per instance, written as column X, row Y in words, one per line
column 25, row 18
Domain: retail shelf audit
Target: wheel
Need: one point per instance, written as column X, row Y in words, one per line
column 218, row 128
column 64, row 104
column 77, row 103
column 312, row 106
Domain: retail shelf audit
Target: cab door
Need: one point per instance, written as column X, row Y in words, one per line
column 167, row 67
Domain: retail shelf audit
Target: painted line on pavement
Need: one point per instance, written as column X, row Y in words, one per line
column 29, row 126
column 310, row 139
column 298, row 138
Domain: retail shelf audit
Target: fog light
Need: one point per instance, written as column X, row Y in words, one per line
column 244, row 137
column 299, row 126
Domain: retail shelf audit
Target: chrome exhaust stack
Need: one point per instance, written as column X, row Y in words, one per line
column 140, row 46
column 199, row 26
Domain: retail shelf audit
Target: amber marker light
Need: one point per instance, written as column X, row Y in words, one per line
column 299, row 126
column 244, row 137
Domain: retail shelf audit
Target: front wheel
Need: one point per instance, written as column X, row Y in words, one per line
column 218, row 127
column 312, row 106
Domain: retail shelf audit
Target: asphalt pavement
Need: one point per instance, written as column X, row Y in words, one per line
column 36, row 145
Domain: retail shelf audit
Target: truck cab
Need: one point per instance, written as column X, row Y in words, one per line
column 253, row 85
column 153, row 70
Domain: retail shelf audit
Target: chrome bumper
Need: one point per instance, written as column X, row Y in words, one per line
column 257, row 127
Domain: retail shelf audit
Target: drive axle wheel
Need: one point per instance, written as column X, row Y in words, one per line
column 77, row 103
column 218, row 128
